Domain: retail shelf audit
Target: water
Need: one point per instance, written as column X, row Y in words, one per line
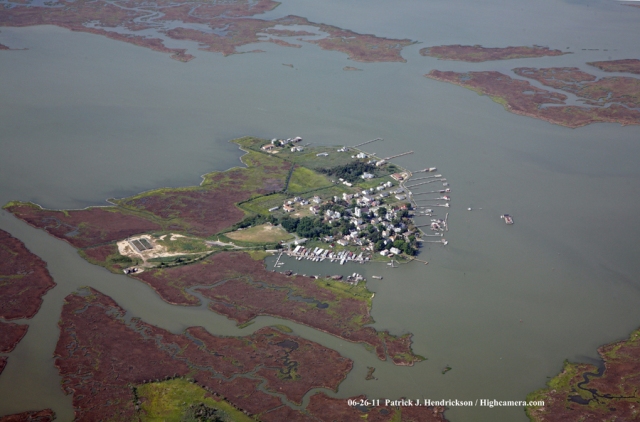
column 85, row 118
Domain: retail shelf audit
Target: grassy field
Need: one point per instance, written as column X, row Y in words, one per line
column 262, row 204
column 308, row 158
column 264, row 233
column 174, row 400
column 303, row 180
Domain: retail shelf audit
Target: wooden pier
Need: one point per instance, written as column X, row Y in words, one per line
column 367, row 142
column 425, row 193
column 427, row 177
column 278, row 260
column 398, row 155
column 427, row 182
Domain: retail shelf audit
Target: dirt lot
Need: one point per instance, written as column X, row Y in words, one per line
column 265, row 233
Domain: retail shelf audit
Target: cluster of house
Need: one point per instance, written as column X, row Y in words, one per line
column 391, row 233
column 367, row 198
column 362, row 155
column 277, row 143
column 289, row 206
column 361, row 217
column 374, row 196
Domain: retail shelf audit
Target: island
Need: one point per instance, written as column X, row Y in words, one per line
column 477, row 53
column 10, row 336
column 130, row 370
column 24, row 279
column 609, row 391
column 206, row 244
column 46, row 415
column 607, row 98
column 626, row 65
column 217, row 27
column 601, row 92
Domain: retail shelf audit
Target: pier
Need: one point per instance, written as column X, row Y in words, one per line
column 427, row 170
column 367, row 142
column 435, row 176
column 432, row 191
column 419, row 260
column 427, row 182
column 429, row 199
column 398, row 155
column 444, row 242
column 278, row 260
column 446, row 205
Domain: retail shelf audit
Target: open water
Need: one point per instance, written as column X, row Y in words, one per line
column 84, row 118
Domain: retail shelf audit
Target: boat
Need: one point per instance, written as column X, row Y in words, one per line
column 377, row 277
column 507, row 218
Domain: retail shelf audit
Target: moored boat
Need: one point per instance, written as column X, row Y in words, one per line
column 507, row 218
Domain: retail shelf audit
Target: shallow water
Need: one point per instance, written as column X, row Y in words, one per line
column 85, row 118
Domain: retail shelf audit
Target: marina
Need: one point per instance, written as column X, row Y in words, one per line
column 319, row 255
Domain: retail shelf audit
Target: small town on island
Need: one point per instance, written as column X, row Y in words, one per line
column 373, row 217
column 348, row 206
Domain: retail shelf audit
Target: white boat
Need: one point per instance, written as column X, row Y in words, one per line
column 507, row 218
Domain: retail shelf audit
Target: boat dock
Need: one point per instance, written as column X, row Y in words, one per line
column 426, row 170
column 319, row 255
column 367, row 142
column 432, row 191
column 397, row 155
column 427, row 182
column 278, row 260
column 443, row 241
column 435, row 176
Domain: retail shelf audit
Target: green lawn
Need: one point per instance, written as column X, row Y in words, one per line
column 304, row 179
